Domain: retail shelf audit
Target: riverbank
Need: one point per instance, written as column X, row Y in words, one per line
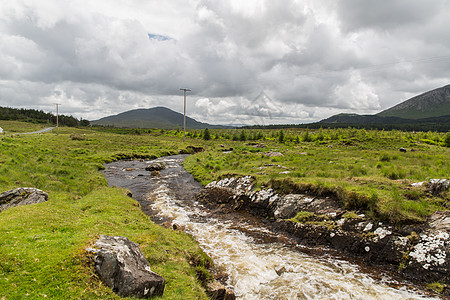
column 253, row 260
column 42, row 246
column 418, row 252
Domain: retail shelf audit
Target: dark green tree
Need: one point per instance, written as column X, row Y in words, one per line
column 281, row 136
column 206, row 134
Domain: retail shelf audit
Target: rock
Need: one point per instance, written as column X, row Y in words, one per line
column 430, row 256
column 121, row 266
column 273, row 154
column 156, row 173
column 195, row 149
column 239, row 185
column 155, row 166
column 218, row 291
column 402, row 150
column 424, row 256
column 21, row 196
column 438, row 186
column 261, row 145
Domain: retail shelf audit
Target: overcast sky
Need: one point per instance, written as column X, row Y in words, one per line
column 252, row 61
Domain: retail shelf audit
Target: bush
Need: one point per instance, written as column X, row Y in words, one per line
column 447, row 139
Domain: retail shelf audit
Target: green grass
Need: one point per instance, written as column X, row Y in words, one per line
column 42, row 246
column 11, row 127
column 364, row 169
column 42, row 251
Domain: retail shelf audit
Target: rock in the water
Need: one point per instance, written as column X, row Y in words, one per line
column 21, row 196
column 121, row 266
column 155, row 166
column 218, row 291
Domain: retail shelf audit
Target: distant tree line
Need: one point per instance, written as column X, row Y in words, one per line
column 39, row 116
column 430, row 126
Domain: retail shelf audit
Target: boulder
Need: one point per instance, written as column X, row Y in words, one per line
column 21, row 196
column 430, row 256
column 438, row 186
column 121, row 266
column 195, row 149
column 155, row 166
column 273, row 154
column 218, row 291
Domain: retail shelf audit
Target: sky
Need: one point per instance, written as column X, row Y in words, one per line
column 246, row 62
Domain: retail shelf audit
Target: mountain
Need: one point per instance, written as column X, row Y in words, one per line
column 435, row 103
column 157, row 117
column 428, row 111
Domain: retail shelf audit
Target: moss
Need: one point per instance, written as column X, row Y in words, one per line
column 302, row 216
column 436, row 287
column 351, row 215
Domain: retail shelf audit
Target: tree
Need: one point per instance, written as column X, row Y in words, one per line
column 281, row 136
column 242, row 136
column 206, row 134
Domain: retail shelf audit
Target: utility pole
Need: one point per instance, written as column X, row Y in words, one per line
column 57, row 116
column 184, row 119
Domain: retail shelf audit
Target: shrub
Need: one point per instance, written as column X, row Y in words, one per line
column 447, row 139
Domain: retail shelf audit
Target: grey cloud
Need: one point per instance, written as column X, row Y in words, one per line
column 387, row 15
column 312, row 57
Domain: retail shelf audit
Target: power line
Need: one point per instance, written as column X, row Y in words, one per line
column 57, row 117
column 184, row 118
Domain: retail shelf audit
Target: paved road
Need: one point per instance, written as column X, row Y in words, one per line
column 39, row 131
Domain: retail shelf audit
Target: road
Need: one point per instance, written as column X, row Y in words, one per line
column 39, row 131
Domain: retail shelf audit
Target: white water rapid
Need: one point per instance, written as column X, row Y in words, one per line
column 257, row 268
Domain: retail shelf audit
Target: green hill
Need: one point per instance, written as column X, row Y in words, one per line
column 435, row 103
column 157, row 117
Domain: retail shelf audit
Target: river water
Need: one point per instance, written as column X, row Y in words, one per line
column 261, row 264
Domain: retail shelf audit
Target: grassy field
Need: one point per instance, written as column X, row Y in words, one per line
column 42, row 246
column 364, row 169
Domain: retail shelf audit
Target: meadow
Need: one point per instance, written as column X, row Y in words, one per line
column 364, row 169
column 42, row 246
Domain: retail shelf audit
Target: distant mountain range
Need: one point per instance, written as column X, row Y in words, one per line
column 157, row 117
column 429, row 110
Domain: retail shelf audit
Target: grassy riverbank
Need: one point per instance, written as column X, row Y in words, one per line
column 42, row 246
column 363, row 169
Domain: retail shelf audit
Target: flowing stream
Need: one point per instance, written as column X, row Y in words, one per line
column 260, row 263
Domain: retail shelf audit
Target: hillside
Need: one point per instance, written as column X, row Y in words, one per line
column 435, row 103
column 38, row 116
column 157, row 117
column 428, row 111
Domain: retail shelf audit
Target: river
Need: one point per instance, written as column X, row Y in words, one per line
column 261, row 264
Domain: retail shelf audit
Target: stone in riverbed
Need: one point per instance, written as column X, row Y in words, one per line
column 218, row 291
column 121, row 266
column 155, row 166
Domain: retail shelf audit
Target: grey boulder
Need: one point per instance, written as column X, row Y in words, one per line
column 121, row 266
column 21, row 196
